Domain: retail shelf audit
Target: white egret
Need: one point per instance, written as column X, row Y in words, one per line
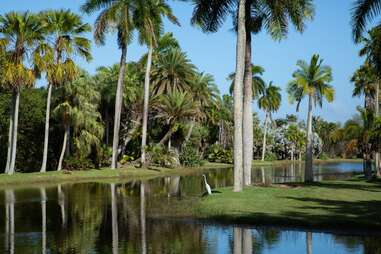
column 209, row 190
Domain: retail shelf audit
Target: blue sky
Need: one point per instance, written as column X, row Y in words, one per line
column 329, row 35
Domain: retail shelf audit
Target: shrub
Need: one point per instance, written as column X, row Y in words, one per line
column 270, row 156
column 189, row 156
column 323, row 156
column 125, row 159
column 216, row 153
column 161, row 156
column 73, row 163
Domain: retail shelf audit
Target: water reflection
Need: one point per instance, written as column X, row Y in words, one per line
column 122, row 218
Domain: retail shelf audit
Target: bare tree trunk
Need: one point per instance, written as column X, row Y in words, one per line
column 264, row 138
column 10, row 221
column 118, row 108
column 16, row 99
column 43, row 216
column 114, row 220
column 190, row 130
column 145, row 105
column 61, row 203
column 377, row 111
column 46, row 137
column 10, row 136
column 247, row 241
column 308, row 177
column 64, row 144
column 238, row 100
column 143, row 218
column 247, row 114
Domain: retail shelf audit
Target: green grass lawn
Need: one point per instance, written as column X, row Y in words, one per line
column 344, row 204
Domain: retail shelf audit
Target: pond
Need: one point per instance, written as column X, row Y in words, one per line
column 120, row 218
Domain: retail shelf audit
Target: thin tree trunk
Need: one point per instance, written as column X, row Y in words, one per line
column 166, row 137
column 10, row 221
column 247, row 241
column 264, row 138
column 308, row 177
column 143, row 218
column 238, row 100
column 145, row 105
column 16, row 98
column 377, row 111
column 64, row 144
column 43, row 216
column 61, row 203
column 10, row 131
column 292, row 152
column 190, row 130
column 237, row 240
column 46, row 137
column 247, row 114
column 114, row 220
column 68, row 144
column 118, row 108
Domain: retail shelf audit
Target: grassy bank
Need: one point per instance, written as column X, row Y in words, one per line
column 130, row 172
column 332, row 204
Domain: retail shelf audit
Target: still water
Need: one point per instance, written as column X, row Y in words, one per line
column 120, row 218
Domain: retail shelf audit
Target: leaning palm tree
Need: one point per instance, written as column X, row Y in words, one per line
column 363, row 12
column 274, row 16
column 65, row 31
column 175, row 108
column 115, row 15
column 269, row 101
column 311, row 80
column 148, row 20
column 20, row 34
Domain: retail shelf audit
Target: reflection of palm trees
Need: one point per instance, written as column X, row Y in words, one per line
column 143, row 218
column 114, row 219
column 174, row 186
column 243, row 243
column 247, row 247
column 61, row 203
column 309, row 242
column 237, row 240
column 10, row 221
column 43, row 215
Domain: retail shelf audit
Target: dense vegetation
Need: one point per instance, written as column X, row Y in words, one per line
column 162, row 110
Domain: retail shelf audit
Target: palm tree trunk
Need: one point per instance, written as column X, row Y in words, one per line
column 237, row 240
column 247, row 114
column 145, row 105
column 308, row 177
column 247, row 241
column 191, row 126
column 377, row 111
column 64, row 144
column 10, row 131
column 309, row 242
column 61, row 203
column 46, row 137
column 43, row 216
column 264, row 138
column 143, row 218
column 16, row 99
column 238, row 102
column 118, row 108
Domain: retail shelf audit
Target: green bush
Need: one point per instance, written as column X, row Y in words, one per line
column 73, row 163
column 270, row 156
column 189, row 156
column 216, row 153
column 126, row 158
column 323, row 156
column 161, row 156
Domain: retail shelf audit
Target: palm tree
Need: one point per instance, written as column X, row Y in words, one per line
column 20, row 34
column 312, row 81
column 363, row 12
column 172, row 71
column 364, row 80
column 65, row 32
column 115, row 15
column 274, row 16
column 175, row 108
column 269, row 101
column 77, row 108
column 148, row 19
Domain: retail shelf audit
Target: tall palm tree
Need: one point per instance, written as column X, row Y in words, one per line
column 269, row 102
column 65, row 31
column 149, row 22
column 311, row 80
column 175, row 108
column 21, row 34
column 115, row 15
column 363, row 12
column 274, row 16
column 364, row 80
